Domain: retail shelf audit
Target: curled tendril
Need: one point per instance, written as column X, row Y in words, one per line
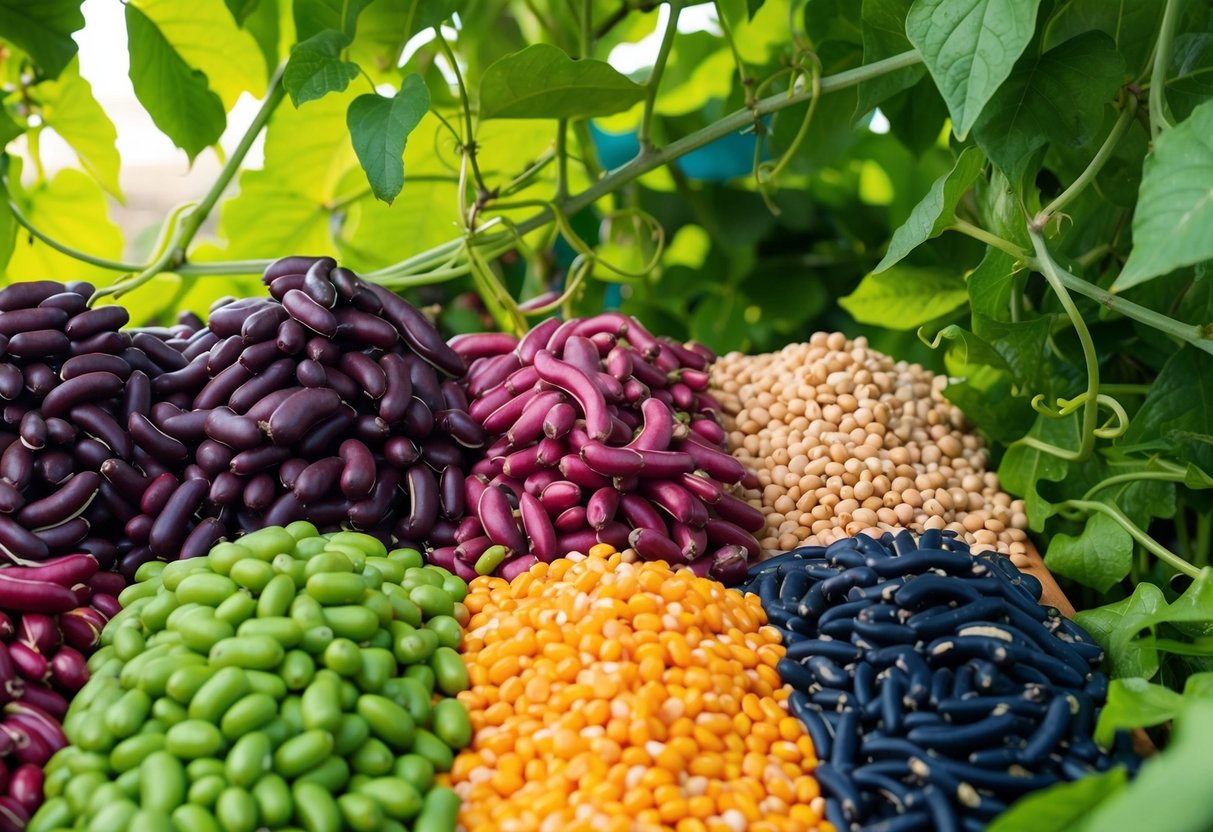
column 1113, row 428
column 767, row 172
column 1121, row 417
column 578, row 270
column 657, row 235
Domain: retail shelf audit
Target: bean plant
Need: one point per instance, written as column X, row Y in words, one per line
column 1015, row 192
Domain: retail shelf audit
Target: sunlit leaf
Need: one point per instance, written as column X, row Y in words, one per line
column 1135, row 703
column 71, row 207
column 316, row 68
column 1059, row 808
column 314, row 16
column 904, row 297
column 43, row 28
column 380, row 126
column 241, row 9
column 542, row 81
column 69, row 108
column 969, row 47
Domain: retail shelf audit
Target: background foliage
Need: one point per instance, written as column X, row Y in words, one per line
column 1016, row 192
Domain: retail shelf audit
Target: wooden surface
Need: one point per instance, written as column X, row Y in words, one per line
column 1052, row 594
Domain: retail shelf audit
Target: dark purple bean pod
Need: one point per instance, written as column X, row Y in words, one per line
column 368, row 513
column 328, row 512
column 579, row 541
column 315, row 481
column 226, row 488
column 129, row 480
column 538, row 528
column 155, row 442
column 483, row 344
column 60, row 431
column 709, row 431
column 33, row 431
column 365, row 329
column 497, row 517
column 304, row 309
column 612, row 462
column 227, row 317
column 27, row 293
column 40, row 379
column 538, row 338
column 81, row 629
column 419, row 333
column 528, row 427
column 256, row 357
column 238, row 432
column 729, row 564
column 666, row 464
column 172, row 524
column 615, row 323
column 267, row 404
column 715, row 462
column 138, row 528
column 513, row 567
column 220, row 388
column 469, row 551
column 358, row 472
column 83, row 388
column 273, row 379
column 451, row 488
column 364, row 370
column 546, row 454
column 213, row 458
column 10, row 498
column 600, row 509
column 692, row 542
column 614, row 534
column 522, row 380
column 13, row 414
column 686, row 357
column 676, row 501
column 399, row 393
column 199, row 343
column 424, row 502
column 468, row 528
column 203, row 538
column 94, row 363
column 159, row 352
column 480, row 408
column 64, row 535
column 286, row 509
column 259, row 492
column 39, row 631
column 453, row 396
column 11, row 382
column 724, row 533
column 36, row 318
column 17, row 465
column 148, row 463
column 418, row 421
column 247, row 463
column 73, row 303
column 401, row 452
column 38, row 343
column 191, row 378
column 438, row 452
column 583, row 388
column 504, row 417
column 652, row 545
column 426, row 385
column 262, row 325
column 99, row 424
column 113, row 503
column 292, row 337
column 224, row 354
column 374, row 431
column 575, row 470
column 323, row 350
column 303, row 410
column 295, row 264
column 316, row 282
column 703, row 487
column 157, row 494
column 310, row 373
column 740, row 513
column 72, row 498
column 345, row 282
column 137, row 395
column 648, row 374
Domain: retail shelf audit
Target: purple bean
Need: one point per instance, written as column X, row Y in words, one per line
column 483, row 344
column 199, row 343
column 366, row 329
column 345, row 282
column 220, row 388
column 157, row 494
column 280, row 286
column 522, row 380
column 99, row 424
column 161, row 353
column 286, row 509
column 560, row 496
column 86, row 387
column 581, row 387
column 528, row 427
column 451, row 490
column 577, row 471
column 419, row 333
column 368, row 375
column 358, row 473
column 10, row 498
column 11, row 382
column 262, row 385
column 256, row 357
column 703, row 487
column 304, row 309
column 538, row 481
column 148, row 463
column 612, row 462
column 468, row 528
column 303, row 410
column 191, row 378
column 398, row 395
column 238, row 432
column 486, row 404
column 262, row 325
column 259, row 492
column 425, row 501
column 582, row 354
column 60, row 431
column 570, row 520
column 155, row 442
column 227, row 319
column 521, row 464
column 213, row 457
column 715, row 462
column 708, row 430
column 693, row 542
column 295, row 264
column 17, row 465
column 496, row 515
column 39, row 379
column 33, row 431
column 65, row 535
column 401, row 452
column 137, row 395
column 226, row 488
column 438, row 452
column 601, row 507
column 418, row 421
column 640, row 513
column 292, row 337
column 724, row 533
column 94, row 363
column 323, row 350
column 125, row 477
column 224, row 354
column 491, row 372
column 36, row 343
column 316, row 282
column 267, row 404
column 368, row 513
column 328, row 433
column 501, row 419
column 247, row 463
column 120, row 507
column 315, row 480
column 579, row 541
column 23, row 320
column 453, row 396
column 652, row 545
column 70, row 500
column 27, row 293
column 171, row 527
column 374, row 431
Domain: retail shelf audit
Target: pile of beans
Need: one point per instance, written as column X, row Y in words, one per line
column 935, row 687
column 599, row 432
column 608, row 696
column 289, row 679
column 52, row 620
column 69, row 381
column 844, row 439
column 323, row 403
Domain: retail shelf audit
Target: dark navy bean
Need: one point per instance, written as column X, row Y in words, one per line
column 922, row 590
column 846, row 742
column 864, row 683
column 964, row 738
column 838, row 651
column 829, row 674
column 819, row 732
column 914, row 821
column 890, row 704
column 840, row 787
column 839, row 585
column 931, row 624
column 1052, row 730
column 851, row 609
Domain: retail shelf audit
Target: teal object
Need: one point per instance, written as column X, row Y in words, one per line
column 724, row 159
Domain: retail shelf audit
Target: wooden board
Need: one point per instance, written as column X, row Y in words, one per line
column 1051, row 594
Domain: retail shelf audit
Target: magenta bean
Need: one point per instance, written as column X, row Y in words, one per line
column 497, row 517
column 604, row 342
column 468, row 528
column 225, row 488
column 482, row 344
column 581, row 387
column 39, row 632
column 81, row 631
column 614, row 534
column 170, row 527
column 538, row 527
column 640, row 513
column 686, row 357
column 708, row 430
column 652, row 545
column 693, row 542
column 107, row 583
column 295, row 264
column 676, row 500
column 487, row 373
column 612, row 462
column 11, row 685
column 17, row 543
column 314, row 481
column 256, row 357
column 481, row 408
column 64, row 535
column 299, row 413
column 703, row 487
column 582, row 354
column 82, row 388
column 473, row 486
column 368, row 513
column 237, row 432
column 267, row 404
column 470, row 550
column 444, row 556
column 724, row 533
column 619, row 363
column 32, row 665
column 29, row 749
column 577, row 471
column 579, row 541
column 38, row 720
column 621, row 431
column 400, row 451
column 559, row 420
column 715, row 462
column 358, row 473
column 514, row 567
column 419, row 333
column 536, row 482
column 157, row 493
column 570, row 520
column 684, row 397
column 666, row 464
column 529, row 425
column 304, row 309
column 160, row 353
column 559, row 496
column 107, row 603
column 657, row 429
column 522, row 380
column 451, row 488
column 224, row 354
column 68, row 670
column 616, row 324
column 740, row 513
column 25, row 787
column 523, row 463
column 213, row 458
column 601, row 507
column 292, row 337
column 27, row 293
column 365, row 329
column 511, row 486
column 398, row 394
column 38, row 343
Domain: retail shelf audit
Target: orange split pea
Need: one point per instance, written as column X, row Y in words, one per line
column 609, row 696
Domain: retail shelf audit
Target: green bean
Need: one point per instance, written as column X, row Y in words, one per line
column 205, row 791
column 300, row 753
column 343, row 656
column 449, row 671
column 249, row 652
column 398, row 797
column 316, row 808
column 388, row 721
column 237, row 608
column 205, row 588
column 273, row 798
column 336, row 588
column 248, row 714
column 316, row 639
column 439, row 812
column 362, row 813
column 236, row 810
column 265, row 543
column 300, row 530
column 415, row 769
column 249, row 759
column 219, row 693
column 433, row 749
column 162, row 783
column 194, row 818
column 408, row 557
column 451, row 723
column 252, row 574
column 321, row 702
column 129, row 753
column 332, row 774
column 194, row 738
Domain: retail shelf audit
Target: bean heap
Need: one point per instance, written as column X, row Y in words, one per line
column 69, row 381
column 52, row 619
column 323, row 402
column 844, row 439
column 608, row 696
column 284, row 679
column 936, row 689
column 599, row 432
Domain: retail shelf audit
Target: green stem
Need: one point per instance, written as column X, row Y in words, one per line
column 1150, row 544
column 1096, row 164
column 587, row 28
column 1117, row 479
column 981, row 235
column 226, row 267
column 727, row 31
column 562, row 160
column 645, row 162
column 1158, row 75
column 101, row 262
column 469, row 141
column 1093, row 256
column 1204, row 531
column 654, row 81
column 1183, row 648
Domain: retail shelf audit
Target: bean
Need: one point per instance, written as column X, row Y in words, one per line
column 162, row 784
column 274, row 802
column 302, row 752
column 236, row 810
column 194, row 738
column 316, row 808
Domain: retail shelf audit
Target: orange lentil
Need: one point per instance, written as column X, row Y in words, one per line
column 618, row 696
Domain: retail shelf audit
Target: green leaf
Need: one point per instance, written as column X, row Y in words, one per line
column 206, row 37
column 1059, row 808
column 43, row 28
column 752, row 6
column 70, row 206
column 1116, row 628
column 1133, row 25
column 1173, row 222
column 541, row 81
column 314, row 16
column 174, row 95
column 884, row 35
column 424, row 14
column 241, row 9
column 1192, row 612
column 379, row 128
column 69, row 108
column 1023, row 467
column 1190, row 81
column 1055, row 97
column 1100, row 557
column 8, row 233
column 1021, row 344
column 990, row 284
column 969, row 47
column 937, row 210
column 905, row 297
column 315, row 67
column 1180, row 403
column 1135, row 703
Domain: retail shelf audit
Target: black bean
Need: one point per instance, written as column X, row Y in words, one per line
column 325, row 436
column 262, row 325
column 158, row 351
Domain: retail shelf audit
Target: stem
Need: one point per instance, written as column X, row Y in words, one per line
column 587, row 28
column 1117, row 479
column 1150, row 544
column 980, row 234
column 562, row 160
column 469, row 142
column 1204, row 530
column 727, row 31
column 645, row 162
column 1096, row 164
column 654, row 81
column 1158, row 76
column 101, row 262
column 227, row 267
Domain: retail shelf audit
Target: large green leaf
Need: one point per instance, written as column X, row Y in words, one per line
column 1190, row 81
column 1116, row 628
column 884, row 35
column 8, row 234
column 207, row 38
column 43, row 28
column 1058, row 96
column 937, row 210
column 175, row 95
column 970, row 47
column 904, row 297
column 1132, row 24
column 991, row 283
column 314, row 16
column 423, row 14
column 380, row 126
column 70, row 206
column 316, row 68
column 1173, row 223
column 241, row 9
column 1135, row 703
column 1179, row 404
column 69, row 108
column 1024, row 467
column 541, row 81
column 1099, row 557
column 1059, row 808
